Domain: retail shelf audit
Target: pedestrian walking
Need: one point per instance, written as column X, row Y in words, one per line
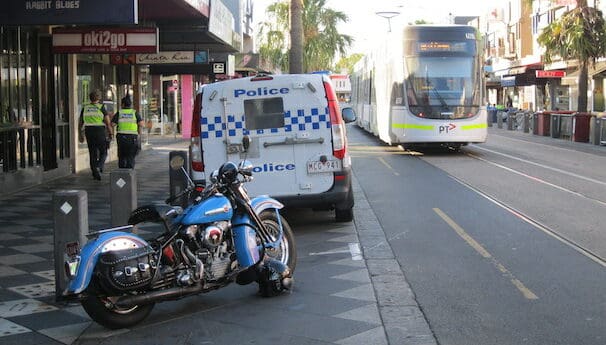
column 129, row 126
column 95, row 125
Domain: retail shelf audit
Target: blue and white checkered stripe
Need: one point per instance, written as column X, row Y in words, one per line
column 305, row 119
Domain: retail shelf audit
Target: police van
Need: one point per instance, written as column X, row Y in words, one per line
column 294, row 133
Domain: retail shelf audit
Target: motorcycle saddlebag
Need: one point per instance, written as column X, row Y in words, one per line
column 127, row 270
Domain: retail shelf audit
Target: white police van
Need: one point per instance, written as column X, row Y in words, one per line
column 296, row 135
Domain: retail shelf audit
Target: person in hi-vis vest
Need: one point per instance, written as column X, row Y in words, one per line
column 95, row 124
column 129, row 125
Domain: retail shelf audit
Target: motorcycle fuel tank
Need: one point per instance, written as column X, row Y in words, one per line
column 213, row 209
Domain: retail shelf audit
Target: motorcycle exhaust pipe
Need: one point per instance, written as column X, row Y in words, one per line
column 157, row 296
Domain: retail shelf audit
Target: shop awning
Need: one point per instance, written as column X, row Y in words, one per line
column 572, row 78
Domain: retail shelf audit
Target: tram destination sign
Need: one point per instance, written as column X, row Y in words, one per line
column 58, row 12
column 107, row 40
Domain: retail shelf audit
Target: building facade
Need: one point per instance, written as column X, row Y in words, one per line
column 53, row 53
column 515, row 69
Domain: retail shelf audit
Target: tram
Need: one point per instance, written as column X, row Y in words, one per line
column 423, row 87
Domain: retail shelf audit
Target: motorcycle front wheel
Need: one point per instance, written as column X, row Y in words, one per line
column 103, row 311
column 286, row 251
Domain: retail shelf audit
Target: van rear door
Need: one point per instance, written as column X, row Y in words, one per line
column 287, row 121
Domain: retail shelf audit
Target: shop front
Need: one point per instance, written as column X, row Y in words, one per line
column 35, row 141
column 51, row 58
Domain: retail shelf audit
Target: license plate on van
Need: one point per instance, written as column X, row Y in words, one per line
column 314, row 167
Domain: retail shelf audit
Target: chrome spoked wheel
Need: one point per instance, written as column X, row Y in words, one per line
column 285, row 252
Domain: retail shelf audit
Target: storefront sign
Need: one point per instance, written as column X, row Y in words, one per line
column 221, row 22
column 218, row 67
column 20, row 12
column 508, row 81
column 550, row 74
column 202, row 6
column 105, row 40
column 165, row 57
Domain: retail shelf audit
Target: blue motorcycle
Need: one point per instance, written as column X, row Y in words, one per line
column 224, row 236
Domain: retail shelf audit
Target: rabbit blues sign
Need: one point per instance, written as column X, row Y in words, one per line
column 105, row 40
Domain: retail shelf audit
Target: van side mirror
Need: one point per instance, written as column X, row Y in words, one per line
column 348, row 114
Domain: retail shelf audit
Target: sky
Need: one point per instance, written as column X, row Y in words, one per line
column 365, row 25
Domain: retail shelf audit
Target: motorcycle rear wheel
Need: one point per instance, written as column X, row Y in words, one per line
column 103, row 311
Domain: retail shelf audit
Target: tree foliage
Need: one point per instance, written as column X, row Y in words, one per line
column 580, row 34
column 322, row 40
column 347, row 63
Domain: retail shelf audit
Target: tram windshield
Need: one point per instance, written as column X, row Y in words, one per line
column 442, row 87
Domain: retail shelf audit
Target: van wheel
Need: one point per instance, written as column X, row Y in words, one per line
column 344, row 215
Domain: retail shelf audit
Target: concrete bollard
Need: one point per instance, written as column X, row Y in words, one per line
column 178, row 181
column 70, row 215
column 123, row 195
column 500, row 119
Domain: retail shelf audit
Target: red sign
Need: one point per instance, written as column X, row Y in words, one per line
column 550, row 74
column 105, row 40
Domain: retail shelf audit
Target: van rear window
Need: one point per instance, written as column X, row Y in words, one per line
column 264, row 113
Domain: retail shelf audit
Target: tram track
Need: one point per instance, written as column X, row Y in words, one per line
column 537, row 224
column 582, row 249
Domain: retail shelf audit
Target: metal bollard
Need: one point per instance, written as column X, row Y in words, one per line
column 510, row 120
column 123, row 195
column 526, row 123
column 70, row 215
column 177, row 179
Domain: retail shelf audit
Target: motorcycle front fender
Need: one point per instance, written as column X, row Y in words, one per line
column 263, row 202
column 115, row 240
column 247, row 250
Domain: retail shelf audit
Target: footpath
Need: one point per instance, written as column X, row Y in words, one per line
column 28, row 312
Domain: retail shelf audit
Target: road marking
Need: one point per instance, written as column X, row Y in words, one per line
column 354, row 250
column 388, row 166
column 536, row 179
column 526, row 292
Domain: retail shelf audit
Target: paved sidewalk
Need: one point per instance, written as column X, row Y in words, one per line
column 28, row 313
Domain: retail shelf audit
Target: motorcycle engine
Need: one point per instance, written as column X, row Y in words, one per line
column 213, row 234
column 209, row 243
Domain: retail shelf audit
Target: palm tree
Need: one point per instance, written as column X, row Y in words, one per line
column 321, row 38
column 296, row 36
column 579, row 34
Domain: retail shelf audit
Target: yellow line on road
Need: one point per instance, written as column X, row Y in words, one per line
column 528, row 294
column 388, row 166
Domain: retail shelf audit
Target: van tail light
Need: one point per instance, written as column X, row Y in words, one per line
column 339, row 136
column 197, row 162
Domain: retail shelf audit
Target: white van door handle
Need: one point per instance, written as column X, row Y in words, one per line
column 295, row 141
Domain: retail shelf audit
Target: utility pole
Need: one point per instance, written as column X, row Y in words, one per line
column 295, row 58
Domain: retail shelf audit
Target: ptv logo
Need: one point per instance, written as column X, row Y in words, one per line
column 447, row 128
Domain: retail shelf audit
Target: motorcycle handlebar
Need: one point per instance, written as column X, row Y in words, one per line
column 171, row 199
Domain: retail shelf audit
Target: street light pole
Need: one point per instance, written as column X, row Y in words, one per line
column 387, row 15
